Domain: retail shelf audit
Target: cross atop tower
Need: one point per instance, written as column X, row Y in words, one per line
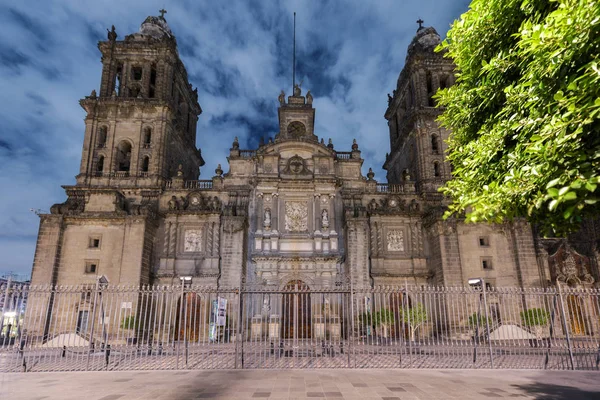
column 162, row 12
column 420, row 22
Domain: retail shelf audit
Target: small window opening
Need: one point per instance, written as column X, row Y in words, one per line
column 118, row 80
column 91, row 267
column 436, row 169
column 484, row 241
column 94, row 242
column 102, row 134
column 434, row 144
column 486, row 263
column 443, row 82
column 430, row 101
column 147, row 136
column 136, row 72
column 123, row 156
column 145, row 164
column 151, row 92
column 100, row 164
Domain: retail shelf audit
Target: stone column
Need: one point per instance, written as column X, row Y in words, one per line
column 317, row 211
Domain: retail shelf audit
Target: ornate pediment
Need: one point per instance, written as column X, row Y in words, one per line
column 567, row 265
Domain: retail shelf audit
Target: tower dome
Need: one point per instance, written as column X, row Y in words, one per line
column 156, row 27
column 425, row 41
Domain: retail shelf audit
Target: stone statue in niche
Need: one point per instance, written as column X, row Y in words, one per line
column 296, row 216
column 267, row 220
column 325, row 219
column 395, row 240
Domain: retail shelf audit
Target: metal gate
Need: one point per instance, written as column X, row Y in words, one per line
column 102, row 327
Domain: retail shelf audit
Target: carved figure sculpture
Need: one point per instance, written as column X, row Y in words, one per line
column 267, row 220
column 281, row 98
column 324, row 219
column 298, row 90
column 309, row 98
column 173, row 203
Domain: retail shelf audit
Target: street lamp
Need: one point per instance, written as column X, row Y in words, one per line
column 480, row 283
column 186, row 281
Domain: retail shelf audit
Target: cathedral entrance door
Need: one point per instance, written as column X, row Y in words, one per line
column 191, row 323
column 296, row 322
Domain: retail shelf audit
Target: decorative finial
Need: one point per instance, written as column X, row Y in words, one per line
column 236, row 144
column 354, row 144
column 180, row 170
column 370, row 174
column 420, row 22
column 330, row 144
column 162, row 12
column 322, row 141
column 219, row 171
column 93, row 95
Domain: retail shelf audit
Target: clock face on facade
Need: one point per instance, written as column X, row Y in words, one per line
column 192, row 241
column 296, row 129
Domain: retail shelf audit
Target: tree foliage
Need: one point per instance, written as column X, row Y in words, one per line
column 524, row 112
column 535, row 317
column 414, row 317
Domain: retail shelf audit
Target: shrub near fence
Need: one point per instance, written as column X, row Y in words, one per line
column 193, row 327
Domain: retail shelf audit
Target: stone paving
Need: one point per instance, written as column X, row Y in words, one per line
column 303, row 384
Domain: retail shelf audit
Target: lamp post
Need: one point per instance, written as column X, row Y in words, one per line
column 100, row 280
column 186, row 281
column 480, row 283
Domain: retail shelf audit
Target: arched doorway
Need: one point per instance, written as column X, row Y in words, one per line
column 296, row 321
column 190, row 320
column 576, row 315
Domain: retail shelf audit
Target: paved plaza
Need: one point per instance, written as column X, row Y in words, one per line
column 302, row 384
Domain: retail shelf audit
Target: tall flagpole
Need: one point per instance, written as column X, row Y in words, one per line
column 294, row 62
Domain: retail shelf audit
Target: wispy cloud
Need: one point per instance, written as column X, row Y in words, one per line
column 238, row 53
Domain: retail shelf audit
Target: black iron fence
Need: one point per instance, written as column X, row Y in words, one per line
column 103, row 327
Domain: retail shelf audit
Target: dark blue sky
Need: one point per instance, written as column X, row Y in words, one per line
column 237, row 52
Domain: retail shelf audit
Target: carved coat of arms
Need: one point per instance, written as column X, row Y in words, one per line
column 296, row 216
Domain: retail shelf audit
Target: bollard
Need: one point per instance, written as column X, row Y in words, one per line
column 272, row 348
column 64, row 351
column 160, row 348
column 107, row 354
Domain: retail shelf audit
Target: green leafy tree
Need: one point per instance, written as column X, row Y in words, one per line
column 383, row 317
column 524, row 112
column 536, row 319
column 414, row 317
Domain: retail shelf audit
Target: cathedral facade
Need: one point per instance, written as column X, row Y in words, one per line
column 295, row 209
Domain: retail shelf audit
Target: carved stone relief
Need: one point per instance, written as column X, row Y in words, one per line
column 395, row 240
column 192, row 241
column 296, row 216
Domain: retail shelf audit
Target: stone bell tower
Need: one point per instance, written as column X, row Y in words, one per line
column 417, row 142
column 142, row 123
column 297, row 116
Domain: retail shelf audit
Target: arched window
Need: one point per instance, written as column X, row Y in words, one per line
column 100, row 165
column 434, row 144
column 145, row 164
column 436, row 169
column 123, row 156
column 102, row 134
column 147, row 136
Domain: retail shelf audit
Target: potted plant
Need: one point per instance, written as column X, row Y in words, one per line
column 414, row 317
column 130, row 324
column 383, row 320
column 535, row 319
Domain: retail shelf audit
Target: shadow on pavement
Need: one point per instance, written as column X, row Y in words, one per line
column 556, row 392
